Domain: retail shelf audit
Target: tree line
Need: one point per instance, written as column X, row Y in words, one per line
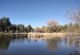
column 7, row 26
column 74, row 26
column 52, row 25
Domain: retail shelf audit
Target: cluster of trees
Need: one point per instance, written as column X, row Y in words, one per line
column 52, row 25
column 6, row 26
column 74, row 17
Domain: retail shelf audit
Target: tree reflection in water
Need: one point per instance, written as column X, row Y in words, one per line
column 53, row 43
column 73, row 41
column 19, row 36
column 6, row 39
column 4, row 42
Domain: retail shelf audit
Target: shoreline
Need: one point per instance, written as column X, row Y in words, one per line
column 55, row 33
column 45, row 36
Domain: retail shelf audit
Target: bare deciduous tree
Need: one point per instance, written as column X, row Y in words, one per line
column 37, row 29
column 74, row 16
column 53, row 26
column 52, row 23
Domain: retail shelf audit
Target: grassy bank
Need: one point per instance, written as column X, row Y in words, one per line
column 45, row 35
column 42, row 35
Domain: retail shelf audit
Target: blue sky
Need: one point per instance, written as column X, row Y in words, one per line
column 36, row 12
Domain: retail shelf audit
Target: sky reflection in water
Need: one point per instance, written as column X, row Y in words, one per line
column 26, row 46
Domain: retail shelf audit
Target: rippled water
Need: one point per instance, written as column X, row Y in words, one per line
column 22, row 45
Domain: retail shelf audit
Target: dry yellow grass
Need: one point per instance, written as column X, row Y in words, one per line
column 45, row 35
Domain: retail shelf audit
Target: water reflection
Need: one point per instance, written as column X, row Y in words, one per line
column 19, row 36
column 72, row 41
column 6, row 39
column 53, row 43
column 75, row 53
column 70, row 45
column 4, row 42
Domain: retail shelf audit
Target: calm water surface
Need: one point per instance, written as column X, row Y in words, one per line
column 22, row 45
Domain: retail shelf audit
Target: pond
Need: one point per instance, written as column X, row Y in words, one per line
column 22, row 45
